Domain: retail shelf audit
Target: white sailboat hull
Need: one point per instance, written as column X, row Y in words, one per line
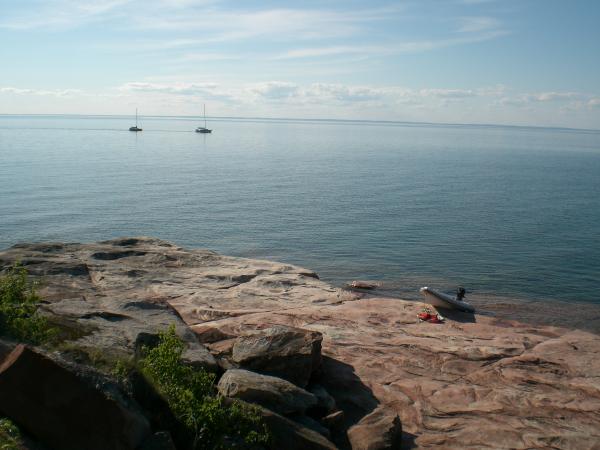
column 442, row 300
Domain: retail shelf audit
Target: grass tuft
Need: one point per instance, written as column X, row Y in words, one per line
column 193, row 399
column 19, row 315
column 10, row 437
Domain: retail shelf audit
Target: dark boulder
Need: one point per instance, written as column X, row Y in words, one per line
column 289, row 435
column 63, row 409
column 286, row 352
column 324, row 400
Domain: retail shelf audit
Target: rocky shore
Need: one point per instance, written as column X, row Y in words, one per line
column 331, row 368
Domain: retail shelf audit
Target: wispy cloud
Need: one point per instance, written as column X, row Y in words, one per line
column 275, row 90
column 540, row 97
column 391, row 48
column 63, row 14
column 221, row 25
column 291, row 99
column 318, row 52
column 328, row 94
column 338, row 92
column 552, row 96
column 449, row 93
column 213, row 91
column 217, row 22
column 594, row 102
column 478, row 24
column 51, row 92
column 170, row 29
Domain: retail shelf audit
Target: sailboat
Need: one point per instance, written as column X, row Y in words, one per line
column 203, row 129
column 136, row 128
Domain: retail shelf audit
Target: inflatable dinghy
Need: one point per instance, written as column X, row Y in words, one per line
column 442, row 300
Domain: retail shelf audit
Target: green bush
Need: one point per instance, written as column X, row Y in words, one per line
column 10, row 438
column 192, row 398
column 19, row 316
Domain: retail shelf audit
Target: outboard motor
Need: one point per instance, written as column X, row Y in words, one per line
column 460, row 293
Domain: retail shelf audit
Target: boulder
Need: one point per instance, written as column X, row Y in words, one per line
column 64, row 409
column 282, row 351
column 273, row 393
column 380, row 430
column 198, row 356
column 289, row 435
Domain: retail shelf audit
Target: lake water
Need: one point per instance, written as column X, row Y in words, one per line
column 510, row 213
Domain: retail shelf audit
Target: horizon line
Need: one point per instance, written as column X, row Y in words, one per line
column 290, row 119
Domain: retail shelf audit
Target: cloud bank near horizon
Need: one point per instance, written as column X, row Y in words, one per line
column 321, row 100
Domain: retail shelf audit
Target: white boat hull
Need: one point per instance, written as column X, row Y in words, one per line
column 442, row 300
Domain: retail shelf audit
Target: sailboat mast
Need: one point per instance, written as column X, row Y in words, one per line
column 205, row 115
column 136, row 117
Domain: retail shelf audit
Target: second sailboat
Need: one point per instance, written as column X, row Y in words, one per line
column 203, row 129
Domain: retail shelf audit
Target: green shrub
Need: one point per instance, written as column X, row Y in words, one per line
column 10, row 437
column 192, row 398
column 120, row 370
column 19, row 316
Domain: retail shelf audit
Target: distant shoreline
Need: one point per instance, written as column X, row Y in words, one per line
column 317, row 120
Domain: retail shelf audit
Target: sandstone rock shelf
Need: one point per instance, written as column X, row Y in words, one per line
column 472, row 382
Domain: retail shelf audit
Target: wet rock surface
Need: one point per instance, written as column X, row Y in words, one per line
column 471, row 382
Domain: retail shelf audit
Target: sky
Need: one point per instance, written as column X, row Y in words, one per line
column 517, row 62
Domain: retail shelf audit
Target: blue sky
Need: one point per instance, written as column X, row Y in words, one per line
column 524, row 62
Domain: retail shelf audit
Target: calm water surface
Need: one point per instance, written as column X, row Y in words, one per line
column 508, row 212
